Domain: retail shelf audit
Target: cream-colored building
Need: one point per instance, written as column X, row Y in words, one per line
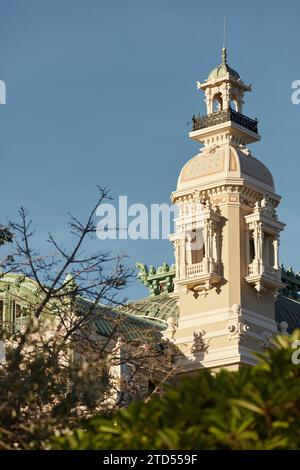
column 226, row 294
column 225, row 281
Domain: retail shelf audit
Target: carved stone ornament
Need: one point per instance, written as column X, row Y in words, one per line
column 283, row 327
column 200, row 344
column 172, row 326
column 236, row 327
column 169, row 347
column 237, row 330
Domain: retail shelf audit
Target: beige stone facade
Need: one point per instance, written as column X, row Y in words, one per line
column 226, row 241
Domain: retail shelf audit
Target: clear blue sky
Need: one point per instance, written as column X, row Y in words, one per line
column 99, row 92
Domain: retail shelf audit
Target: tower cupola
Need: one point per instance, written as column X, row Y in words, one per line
column 223, row 68
column 224, row 98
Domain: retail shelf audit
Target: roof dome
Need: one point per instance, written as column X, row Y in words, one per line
column 223, row 68
column 221, row 163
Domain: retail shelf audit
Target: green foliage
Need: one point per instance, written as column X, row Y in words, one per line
column 5, row 235
column 253, row 408
column 43, row 391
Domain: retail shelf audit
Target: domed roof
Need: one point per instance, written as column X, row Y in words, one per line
column 224, row 161
column 223, row 68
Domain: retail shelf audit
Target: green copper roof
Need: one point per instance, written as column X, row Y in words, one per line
column 288, row 310
column 110, row 320
column 223, row 68
column 147, row 318
column 160, row 307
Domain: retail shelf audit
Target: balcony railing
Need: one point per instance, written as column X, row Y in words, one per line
column 223, row 116
column 194, row 269
column 255, row 269
column 207, row 266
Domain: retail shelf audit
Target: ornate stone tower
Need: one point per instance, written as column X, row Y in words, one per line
column 227, row 235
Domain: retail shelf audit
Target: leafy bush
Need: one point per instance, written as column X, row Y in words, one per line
column 5, row 235
column 253, row 408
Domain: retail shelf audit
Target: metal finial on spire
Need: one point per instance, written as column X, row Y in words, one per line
column 224, row 56
column 224, row 51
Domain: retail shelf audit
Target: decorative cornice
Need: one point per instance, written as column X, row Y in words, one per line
column 218, row 194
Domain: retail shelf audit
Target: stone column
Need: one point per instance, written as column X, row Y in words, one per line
column 254, row 230
column 210, row 239
column 206, row 245
column 177, row 257
column 260, row 240
column 276, row 252
column 215, row 246
column 248, row 237
column 208, row 101
column 188, row 250
column 182, row 257
column 225, row 96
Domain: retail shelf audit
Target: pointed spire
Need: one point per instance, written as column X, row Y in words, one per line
column 224, row 50
column 224, row 33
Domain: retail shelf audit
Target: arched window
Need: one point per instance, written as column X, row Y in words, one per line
column 233, row 103
column 217, row 102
